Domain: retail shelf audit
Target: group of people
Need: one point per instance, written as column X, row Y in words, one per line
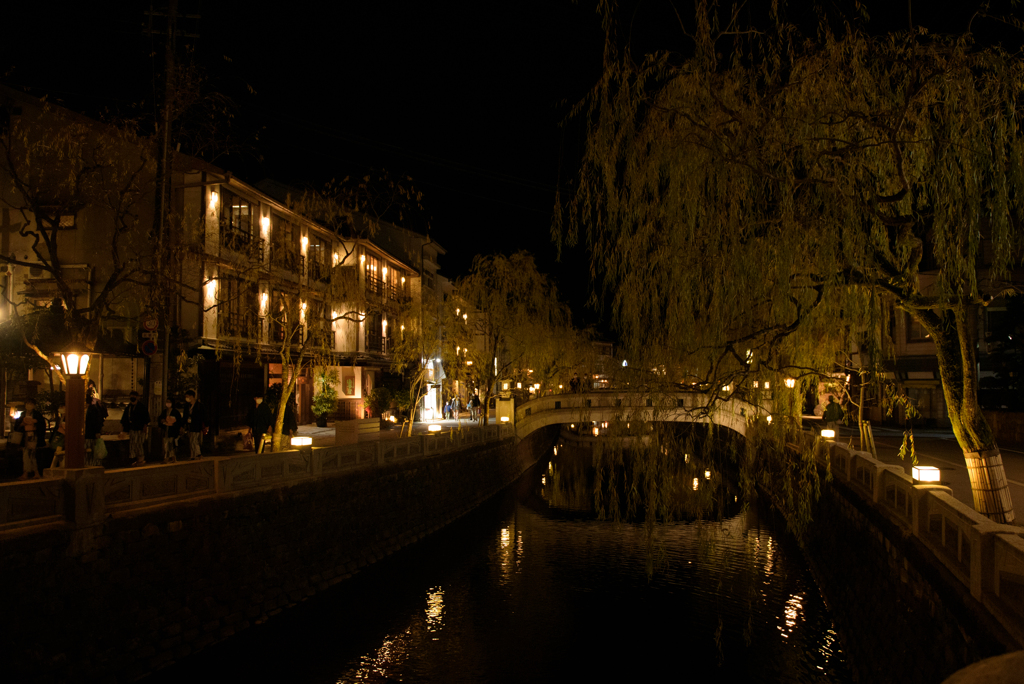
column 454, row 407
column 30, row 429
column 260, row 419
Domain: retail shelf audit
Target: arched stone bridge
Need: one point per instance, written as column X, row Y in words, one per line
column 680, row 407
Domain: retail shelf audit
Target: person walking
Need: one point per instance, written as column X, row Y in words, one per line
column 95, row 414
column 170, row 424
column 32, row 427
column 833, row 413
column 291, row 425
column 195, row 425
column 258, row 422
column 134, row 421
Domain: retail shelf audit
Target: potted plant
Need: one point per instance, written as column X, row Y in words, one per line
column 379, row 401
column 326, row 396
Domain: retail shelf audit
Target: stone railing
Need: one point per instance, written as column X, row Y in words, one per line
column 734, row 412
column 86, row 495
column 987, row 558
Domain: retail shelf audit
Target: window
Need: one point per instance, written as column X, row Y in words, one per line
column 374, row 285
column 316, row 257
column 237, row 308
column 916, row 331
column 284, row 245
column 378, row 334
column 428, row 280
column 236, row 215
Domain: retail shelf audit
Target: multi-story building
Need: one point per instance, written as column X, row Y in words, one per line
column 247, row 284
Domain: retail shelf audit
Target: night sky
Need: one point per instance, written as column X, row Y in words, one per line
column 467, row 98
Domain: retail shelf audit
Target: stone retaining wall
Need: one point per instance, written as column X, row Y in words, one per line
column 918, row 586
column 148, row 586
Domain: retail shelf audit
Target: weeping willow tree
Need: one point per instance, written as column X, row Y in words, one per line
column 768, row 197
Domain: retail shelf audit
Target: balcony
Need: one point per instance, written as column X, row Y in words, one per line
column 244, row 324
column 374, row 285
column 244, row 244
column 288, row 259
column 319, row 272
column 378, row 343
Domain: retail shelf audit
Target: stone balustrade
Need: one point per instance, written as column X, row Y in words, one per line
column 83, row 496
column 734, row 412
column 987, row 558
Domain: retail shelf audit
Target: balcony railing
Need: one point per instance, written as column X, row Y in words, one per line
column 319, row 272
column 288, row 259
column 374, row 285
column 378, row 343
column 238, row 324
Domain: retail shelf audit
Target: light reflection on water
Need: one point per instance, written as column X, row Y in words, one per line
column 729, row 599
column 521, row 591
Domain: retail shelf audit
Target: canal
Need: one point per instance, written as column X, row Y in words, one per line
column 534, row 587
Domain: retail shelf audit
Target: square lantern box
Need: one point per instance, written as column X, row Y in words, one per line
column 926, row 474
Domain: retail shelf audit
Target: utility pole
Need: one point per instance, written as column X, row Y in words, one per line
column 160, row 299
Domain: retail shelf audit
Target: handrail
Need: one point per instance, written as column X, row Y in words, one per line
column 43, row 501
column 987, row 558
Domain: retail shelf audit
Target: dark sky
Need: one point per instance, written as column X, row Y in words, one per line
column 465, row 97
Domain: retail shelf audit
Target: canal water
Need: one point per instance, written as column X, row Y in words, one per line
column 534, row 587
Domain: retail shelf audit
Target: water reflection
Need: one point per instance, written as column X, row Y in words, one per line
column 730, row 599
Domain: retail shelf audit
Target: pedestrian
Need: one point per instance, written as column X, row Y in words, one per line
column 31, row 426
column 195, row 425
column 833, row 413
column 291, row 425
column 258, row 422
column 446, row 410
column 170, row 424
column 134, row 421
column 574, row 384
column 95, row 414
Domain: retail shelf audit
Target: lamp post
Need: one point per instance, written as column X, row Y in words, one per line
column 75, row 366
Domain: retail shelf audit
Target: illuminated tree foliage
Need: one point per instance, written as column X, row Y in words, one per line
column 777, row 192
column 515, row 324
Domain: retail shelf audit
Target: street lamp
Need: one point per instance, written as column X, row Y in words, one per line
column 75, row 367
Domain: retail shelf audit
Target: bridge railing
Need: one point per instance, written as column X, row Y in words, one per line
column 681, row 406
column 53, row 499
column 987, row 558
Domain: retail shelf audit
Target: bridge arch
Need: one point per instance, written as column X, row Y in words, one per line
column 734, row 413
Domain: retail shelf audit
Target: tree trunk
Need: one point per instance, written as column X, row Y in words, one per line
column 955, row 350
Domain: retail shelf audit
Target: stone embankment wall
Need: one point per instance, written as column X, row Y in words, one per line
column 919, row 585
column 150, row 586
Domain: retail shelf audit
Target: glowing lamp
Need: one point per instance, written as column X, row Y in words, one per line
column 686, row 458
column 769, row 419
column 790, row 383
column 265, row 226
column 305, row 244
column 302, row 441
column 213, row 199
column 696, row 483
column 596, row 432
column 74, row 364
column 707, row 474
column 726, row 388
column 556, row 453
column 543, row 479
column 504, row 386
column 434, row 428
column 828, row 434
column 519, row 385
column 926, row 473
column 393, row 419
column 504, row 419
